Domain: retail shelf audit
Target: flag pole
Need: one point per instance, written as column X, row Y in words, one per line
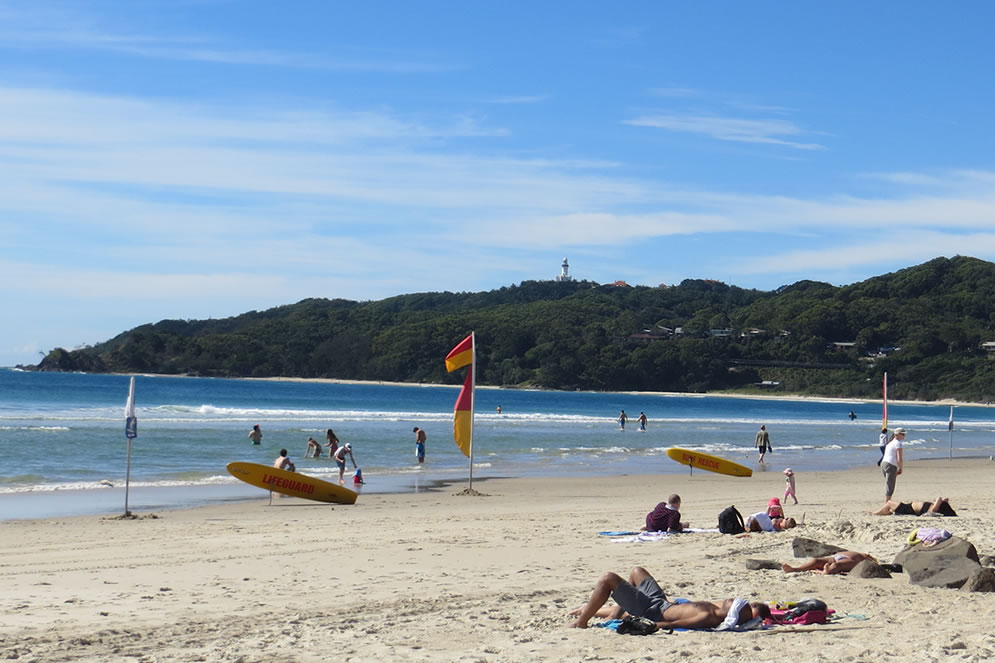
column 473, row 395
column 884, row 401
column 131, row 432
column 950, row 427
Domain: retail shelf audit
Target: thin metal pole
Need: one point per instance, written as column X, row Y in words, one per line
column 473, row 394
column 127, row 479
column 951, row 428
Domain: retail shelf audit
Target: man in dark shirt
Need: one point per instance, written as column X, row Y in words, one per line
column 666, row 517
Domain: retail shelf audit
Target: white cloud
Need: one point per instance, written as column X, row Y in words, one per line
column 51, row 28
column 728, row 128
column 877, row 248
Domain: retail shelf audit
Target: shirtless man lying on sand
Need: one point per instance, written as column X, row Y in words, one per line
column 841, row 562
column 641, row 596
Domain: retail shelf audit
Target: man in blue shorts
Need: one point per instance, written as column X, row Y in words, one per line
column 641, row 596
column 420, row 438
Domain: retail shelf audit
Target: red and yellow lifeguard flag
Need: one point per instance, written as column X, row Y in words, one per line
column 463, row 415
column 884, row 402
column 461, row 355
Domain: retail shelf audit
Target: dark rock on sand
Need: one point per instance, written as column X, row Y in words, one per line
column 869, row 569
column 947, row 564
column 760, row 564
column 982, row 580
column 802, row 547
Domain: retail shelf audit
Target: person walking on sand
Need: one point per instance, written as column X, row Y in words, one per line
column 344, row 450
column 789, row 485
column 762, row 442
column 256, row 435
column 313, row 448
column 641, row 596
column 891, row 462
column 420, row 438
column 622, row 418
column 642, row 421
column 283, row 462
column 333, row 442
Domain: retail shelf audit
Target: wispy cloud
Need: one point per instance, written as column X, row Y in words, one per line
column 62, row 29
column 523, row 99
column 741, row 130
column 185, row 195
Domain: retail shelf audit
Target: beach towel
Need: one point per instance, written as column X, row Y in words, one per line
column 929, row 536
column 643, row 537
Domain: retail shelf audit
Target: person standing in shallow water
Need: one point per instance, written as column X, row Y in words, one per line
column 762, row 442
column 642, row 421
column 333, row 442
column 420, row 438
column 622, row 418
column 256, row 435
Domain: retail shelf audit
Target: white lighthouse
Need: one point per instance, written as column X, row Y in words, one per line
column 564, row 271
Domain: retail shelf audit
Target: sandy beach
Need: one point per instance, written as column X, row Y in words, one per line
column 438, row 576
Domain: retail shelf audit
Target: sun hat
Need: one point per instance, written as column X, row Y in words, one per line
column 899, row 431
column 774, row 501
column 788, row 471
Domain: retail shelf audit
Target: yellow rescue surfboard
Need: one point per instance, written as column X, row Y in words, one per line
column 708, row 462
column 291, row 483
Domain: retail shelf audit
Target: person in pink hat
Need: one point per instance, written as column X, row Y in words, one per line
column 789, row 485
column 774, row 509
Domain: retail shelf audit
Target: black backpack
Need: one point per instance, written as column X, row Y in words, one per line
column 731, row 521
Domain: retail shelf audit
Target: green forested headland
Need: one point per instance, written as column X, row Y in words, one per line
column 924, row 325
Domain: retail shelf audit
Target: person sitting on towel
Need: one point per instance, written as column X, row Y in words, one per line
column 941, row 506
column 666, row 517
column 641, row 596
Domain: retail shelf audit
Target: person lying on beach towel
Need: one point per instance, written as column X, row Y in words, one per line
column 641, row 596
column 939, row 507
column 761, row 522
column 841, row 562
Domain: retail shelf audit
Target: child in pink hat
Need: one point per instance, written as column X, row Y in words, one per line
column 774, row 509
column 789, row 485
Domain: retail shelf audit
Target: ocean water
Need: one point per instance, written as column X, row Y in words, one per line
column 62, row 435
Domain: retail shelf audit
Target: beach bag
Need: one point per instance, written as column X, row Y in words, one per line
column 637, row 626
column 805, row 606
column 731, row 521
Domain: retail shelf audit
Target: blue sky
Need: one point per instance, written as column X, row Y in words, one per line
column 202, row 158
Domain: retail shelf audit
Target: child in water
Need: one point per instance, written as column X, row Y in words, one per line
column 789, row 485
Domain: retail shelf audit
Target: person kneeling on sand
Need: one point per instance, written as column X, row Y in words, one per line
column 940, row 507
column 641, row 596
column 841, row 562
